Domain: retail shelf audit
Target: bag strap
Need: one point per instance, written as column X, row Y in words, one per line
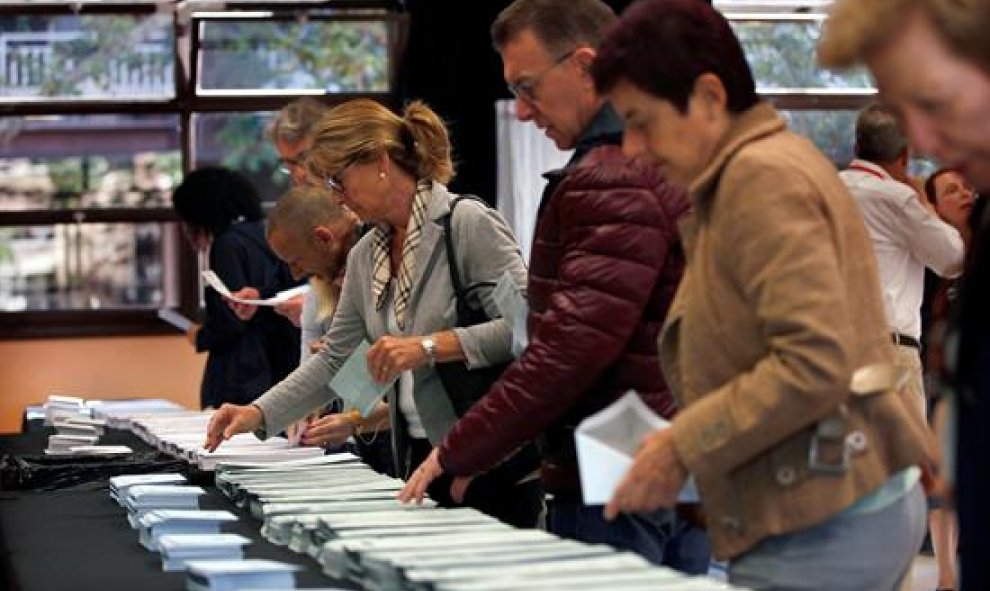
column 455, row 277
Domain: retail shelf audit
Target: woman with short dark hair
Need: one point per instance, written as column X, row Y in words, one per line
column 808, row 472
column 221, row 214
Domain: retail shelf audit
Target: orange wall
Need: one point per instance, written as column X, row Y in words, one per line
column 105, row 368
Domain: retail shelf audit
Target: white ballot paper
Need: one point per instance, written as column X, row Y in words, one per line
column 216, row 283
column 355, row 385
column 177, row 549
column 175, row 319
column 606, row 443
column 229, row 575
column 512, row 305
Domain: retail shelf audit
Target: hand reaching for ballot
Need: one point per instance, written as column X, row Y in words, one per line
column 332, row 429
column 244, row 311
column 230, row 420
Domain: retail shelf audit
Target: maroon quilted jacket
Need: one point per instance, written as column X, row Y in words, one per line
column 605, row 262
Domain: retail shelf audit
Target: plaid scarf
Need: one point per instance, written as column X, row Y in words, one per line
column 381, row 246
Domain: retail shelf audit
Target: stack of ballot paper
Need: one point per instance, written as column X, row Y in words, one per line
column 64, row 407
column 230, row 575
column 607, row 442
column 142, row 498
column 78, row 435
column 182, row 435
column 177, row 549
column 160, row 522
column 120, row 484
column 118, row 413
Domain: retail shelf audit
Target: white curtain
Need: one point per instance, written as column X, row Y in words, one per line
column 524, row 154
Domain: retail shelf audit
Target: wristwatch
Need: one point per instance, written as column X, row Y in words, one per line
column 430, row 348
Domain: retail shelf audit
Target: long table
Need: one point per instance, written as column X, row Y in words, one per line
column 78, row 539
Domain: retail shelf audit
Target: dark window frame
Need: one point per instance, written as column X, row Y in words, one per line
column 108, row 323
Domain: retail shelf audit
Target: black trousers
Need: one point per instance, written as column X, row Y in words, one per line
column 494, row 493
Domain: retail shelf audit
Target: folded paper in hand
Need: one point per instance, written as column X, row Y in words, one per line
column 214, row 281
column 355, row 385
column 608, row 440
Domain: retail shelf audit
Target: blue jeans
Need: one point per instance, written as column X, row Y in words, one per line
column 859, row 552
column 659, row 537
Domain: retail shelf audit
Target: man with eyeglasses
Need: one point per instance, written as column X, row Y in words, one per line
column 606, row 260
column 290, row 133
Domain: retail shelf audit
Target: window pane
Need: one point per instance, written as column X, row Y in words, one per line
column 84, row 266
column 782, row 55
column 831, row 131
column 56, row 162
column 334, row 56
column 237, row 141
column 91, row 57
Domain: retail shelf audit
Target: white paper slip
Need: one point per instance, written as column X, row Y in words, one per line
column 175, row 319
column 66, row 427
column 156, row 524
column 355, row 385
column 214, row 281
column 177, row 549
column 165, row 496
column 99, row 450
column 606, row 443
column 229, row 575
column 121, row 483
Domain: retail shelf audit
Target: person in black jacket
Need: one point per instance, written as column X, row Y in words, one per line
column 221, row 213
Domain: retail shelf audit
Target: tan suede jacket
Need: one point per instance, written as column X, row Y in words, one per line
column 779, row 305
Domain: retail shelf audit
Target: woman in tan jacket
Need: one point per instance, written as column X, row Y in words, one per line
column 807, row 464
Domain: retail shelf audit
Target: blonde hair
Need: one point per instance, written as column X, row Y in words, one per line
column 361, row 130
column 855, row 28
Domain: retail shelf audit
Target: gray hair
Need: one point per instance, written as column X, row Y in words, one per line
column 560, row 25
column 879, row 136
column 296, row 121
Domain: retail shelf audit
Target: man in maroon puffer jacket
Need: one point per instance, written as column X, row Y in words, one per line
column 605, row 263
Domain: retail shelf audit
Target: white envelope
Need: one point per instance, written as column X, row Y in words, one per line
column 608, row 440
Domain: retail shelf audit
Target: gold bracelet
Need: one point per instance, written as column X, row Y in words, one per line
column 357, row 422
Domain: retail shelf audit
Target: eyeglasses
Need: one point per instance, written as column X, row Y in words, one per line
column 288, row 165
column 525, row 89
column 334, row 181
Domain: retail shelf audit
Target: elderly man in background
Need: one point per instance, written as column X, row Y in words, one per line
column 906, row 232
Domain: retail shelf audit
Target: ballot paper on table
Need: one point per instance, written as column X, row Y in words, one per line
column 608, row 440
column 163, row 496
column 161, row 522
column 177, row 549
column 355, row 384
column 511, row 304
column 228, row 575
column 175, row 319
column 120, row 484
column 214, row 281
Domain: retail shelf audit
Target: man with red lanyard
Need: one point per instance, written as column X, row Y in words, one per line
column 907, row 233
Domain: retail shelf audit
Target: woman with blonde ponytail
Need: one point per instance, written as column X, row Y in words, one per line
column 399, row 294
